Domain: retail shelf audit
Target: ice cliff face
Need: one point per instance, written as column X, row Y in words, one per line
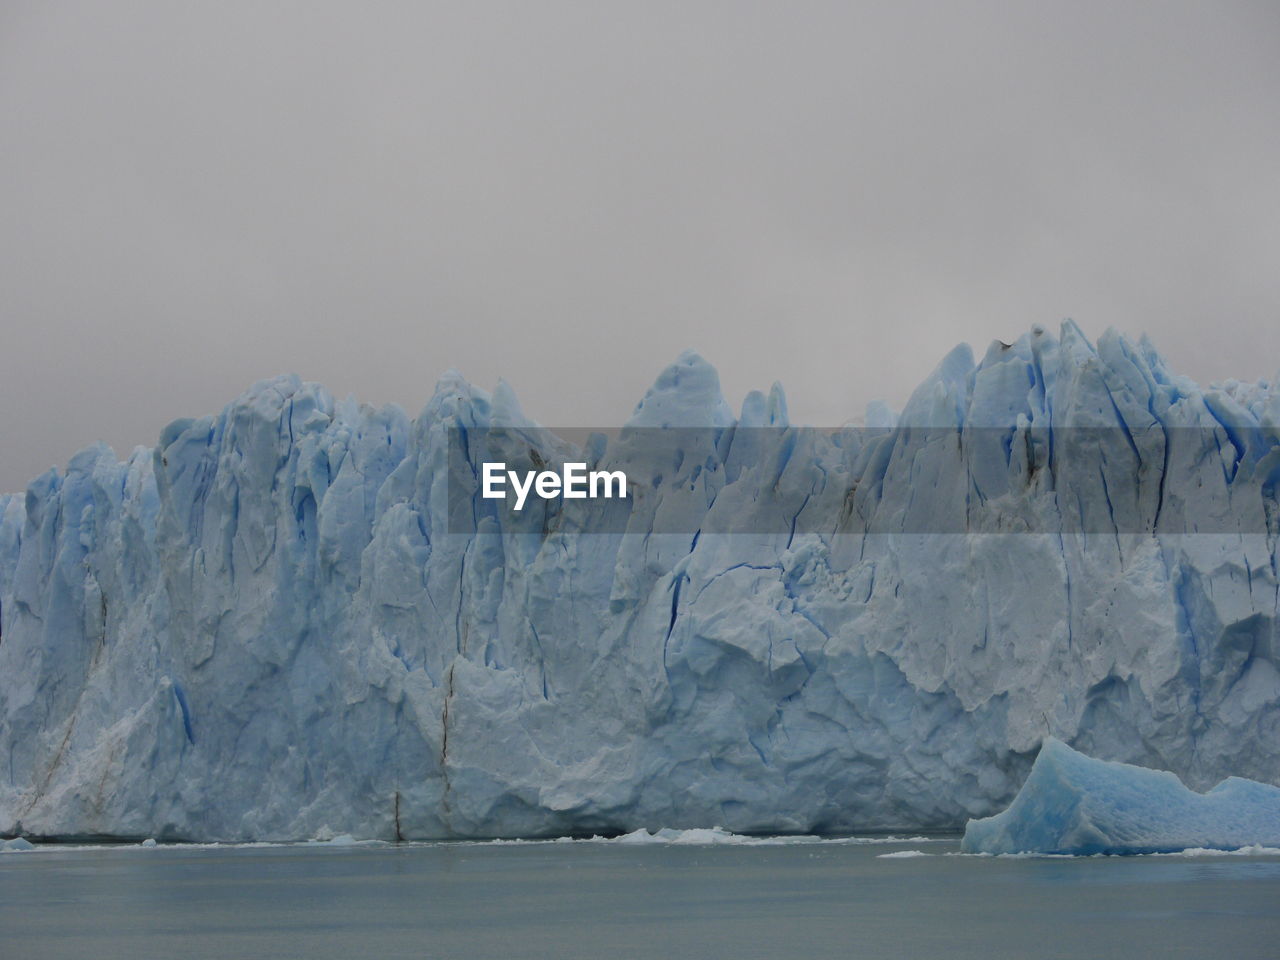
column 282, row 620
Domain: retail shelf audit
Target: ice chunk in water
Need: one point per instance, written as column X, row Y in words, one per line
column 1075, row 804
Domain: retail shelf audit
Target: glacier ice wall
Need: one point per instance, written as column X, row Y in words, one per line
column 269, row 626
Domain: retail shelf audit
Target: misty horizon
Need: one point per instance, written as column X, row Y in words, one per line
column 826, row 195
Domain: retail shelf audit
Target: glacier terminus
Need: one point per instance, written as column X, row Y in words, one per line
column 301, row 617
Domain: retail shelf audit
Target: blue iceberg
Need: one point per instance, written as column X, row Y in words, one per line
column 1074, row 804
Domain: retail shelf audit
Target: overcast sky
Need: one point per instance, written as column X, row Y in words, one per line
column 566, row 195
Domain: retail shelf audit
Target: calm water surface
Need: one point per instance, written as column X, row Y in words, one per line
column 611, row 900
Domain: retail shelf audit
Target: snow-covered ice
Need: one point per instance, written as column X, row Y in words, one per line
column 1073, row 804
column 285, row 618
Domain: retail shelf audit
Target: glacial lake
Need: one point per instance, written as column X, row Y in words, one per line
column 582, row 899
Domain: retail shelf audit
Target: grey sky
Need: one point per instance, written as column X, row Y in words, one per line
column 196, row 196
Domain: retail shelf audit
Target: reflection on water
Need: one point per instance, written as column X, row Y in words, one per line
column 628, row 900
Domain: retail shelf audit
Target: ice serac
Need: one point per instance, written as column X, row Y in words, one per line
column 1073, row 804
column 283, row 622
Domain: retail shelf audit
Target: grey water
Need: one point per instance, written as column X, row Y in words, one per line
column 614, row 900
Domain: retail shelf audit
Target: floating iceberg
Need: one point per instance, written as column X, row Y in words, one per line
column 1073, row 804
column 299, row 613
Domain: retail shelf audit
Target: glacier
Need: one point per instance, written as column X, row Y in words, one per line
column 296, row 618
column 1073, row 804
